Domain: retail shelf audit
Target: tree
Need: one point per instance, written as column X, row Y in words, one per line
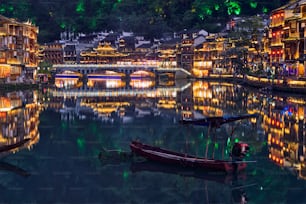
column 85, row 16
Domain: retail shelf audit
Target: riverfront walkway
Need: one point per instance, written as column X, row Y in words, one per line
column 286, row 84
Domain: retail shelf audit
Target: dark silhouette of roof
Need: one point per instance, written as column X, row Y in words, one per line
column 111, row 37
column 189, row 31
column 129, row 41
column 87, row 38
column 69, row 48
column 170, row 43
column 145, row 45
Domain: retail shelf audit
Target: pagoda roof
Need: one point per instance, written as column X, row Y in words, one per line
column 4, row 19
column 104, row 47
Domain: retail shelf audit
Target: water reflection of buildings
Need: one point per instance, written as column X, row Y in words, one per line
column 203, row 98
column 281, row 121
column 140, row 98
column 19, row 119
column 283, row 118
column 210, row 99
column 285, row 127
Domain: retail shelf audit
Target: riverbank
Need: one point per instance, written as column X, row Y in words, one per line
column 290, row 84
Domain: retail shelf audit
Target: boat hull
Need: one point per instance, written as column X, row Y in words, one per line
column 174, row 158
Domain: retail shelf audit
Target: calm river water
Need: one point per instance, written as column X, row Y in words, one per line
column 52, row 139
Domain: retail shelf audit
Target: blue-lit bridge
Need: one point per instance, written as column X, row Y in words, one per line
column 86, row 69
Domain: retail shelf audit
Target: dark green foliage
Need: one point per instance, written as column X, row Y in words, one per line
column 149, row 18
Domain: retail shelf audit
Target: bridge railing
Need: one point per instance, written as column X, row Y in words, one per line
column 118, row 66
column 101, row 66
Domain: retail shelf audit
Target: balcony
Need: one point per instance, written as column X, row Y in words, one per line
column 278, row 24
column 291, row 39
column 13, row 61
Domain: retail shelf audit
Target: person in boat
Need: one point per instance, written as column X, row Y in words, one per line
column 239, row 151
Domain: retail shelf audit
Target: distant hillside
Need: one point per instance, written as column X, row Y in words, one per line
column 147, row 17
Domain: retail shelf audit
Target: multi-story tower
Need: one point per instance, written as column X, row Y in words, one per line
column 167, row 53
column 103, row 54
column 70, row 55
column 276, row 30
column 299, row 20
column 53, row 53
column 185, row 54
column 208, row 56
column 18, row 48
column 286, row 38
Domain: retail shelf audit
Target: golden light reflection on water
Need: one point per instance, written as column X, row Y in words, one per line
column 18, row 123
column 282, row 118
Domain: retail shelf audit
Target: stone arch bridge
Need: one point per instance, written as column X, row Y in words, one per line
column 127, row 70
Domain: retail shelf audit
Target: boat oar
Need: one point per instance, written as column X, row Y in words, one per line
column 238, row 162
column 244, row 186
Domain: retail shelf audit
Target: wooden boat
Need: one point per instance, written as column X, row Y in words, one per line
column 217, row 121
column 184, row 160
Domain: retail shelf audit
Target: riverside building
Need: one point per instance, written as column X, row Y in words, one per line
column 18, row 50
